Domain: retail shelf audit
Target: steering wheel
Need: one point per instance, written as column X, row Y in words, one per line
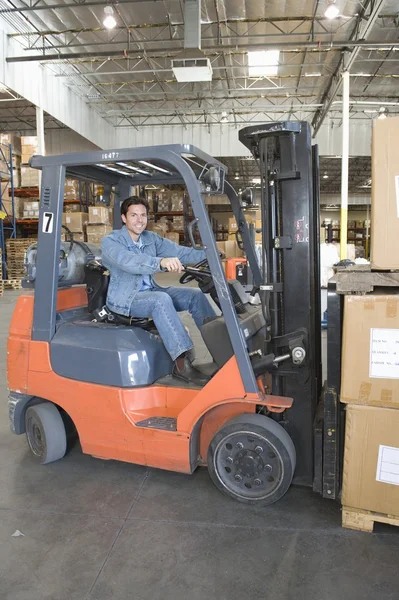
column 196, row 272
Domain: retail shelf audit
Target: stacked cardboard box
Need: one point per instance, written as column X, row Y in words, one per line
column 385, row 194
column 370, row 388
column 7, row 139
column 16, row 249
column 71, row 189
column 31, row 209
column 1, row 273
column 99, row 224
column 29, row 147
column 76, row 223
column 173, row 236
column 163, row 204
column 29, row 177
column 176, row 201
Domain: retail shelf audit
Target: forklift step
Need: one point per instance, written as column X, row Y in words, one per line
column 165, row 423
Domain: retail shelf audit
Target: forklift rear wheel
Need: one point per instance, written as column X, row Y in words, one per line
column 45, row 432
column 252, row 459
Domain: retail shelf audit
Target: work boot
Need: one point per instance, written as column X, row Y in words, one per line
column 185, row 371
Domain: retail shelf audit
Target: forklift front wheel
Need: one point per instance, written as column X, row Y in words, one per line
column 45, row 432
column 252, row 459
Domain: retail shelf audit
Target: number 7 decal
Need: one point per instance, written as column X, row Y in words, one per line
column 48, row 220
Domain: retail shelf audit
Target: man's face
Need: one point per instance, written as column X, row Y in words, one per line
column 135, row 219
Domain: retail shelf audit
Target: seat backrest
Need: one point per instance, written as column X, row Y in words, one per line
column 97, row 281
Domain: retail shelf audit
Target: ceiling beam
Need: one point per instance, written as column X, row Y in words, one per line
column 343, row 44
column 36, row 7
column 361, row 31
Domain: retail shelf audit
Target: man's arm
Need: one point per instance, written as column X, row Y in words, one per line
column 115, row 255
column 166, row 248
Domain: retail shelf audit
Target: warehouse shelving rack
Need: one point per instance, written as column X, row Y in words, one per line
column 7, row 218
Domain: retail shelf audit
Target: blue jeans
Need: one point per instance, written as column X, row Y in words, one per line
column 162, row 304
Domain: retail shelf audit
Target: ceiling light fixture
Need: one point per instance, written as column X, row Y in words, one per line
column 332, row 10
column 109, row 21
column 325, row 176
column 383, row 113
column 263, row 63
column 225, row 117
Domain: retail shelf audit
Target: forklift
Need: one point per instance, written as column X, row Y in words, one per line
column 70, row 361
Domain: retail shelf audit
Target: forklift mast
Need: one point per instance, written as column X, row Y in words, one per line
column 290, row 288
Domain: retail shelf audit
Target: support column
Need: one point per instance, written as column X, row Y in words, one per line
column 40, row 136
column 345, row 164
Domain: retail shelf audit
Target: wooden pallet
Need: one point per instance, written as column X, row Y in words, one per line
column 12, row 284
column 363, row 520
column 362, row 279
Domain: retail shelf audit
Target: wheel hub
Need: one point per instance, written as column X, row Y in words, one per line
column 248, row 464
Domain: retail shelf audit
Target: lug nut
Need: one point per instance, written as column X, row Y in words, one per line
column 257, row 482
column 239, row 445
column 268, row 468
column 238, row 477
column 229, row 459
column 259, row 449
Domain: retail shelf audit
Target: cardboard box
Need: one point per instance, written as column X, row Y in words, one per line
column 73, row 207
column 75, row 221
column 99, row 214
column 29, row 177
column 232, row 225
column 14, row 140
column 78, row 236
column 385, row 194
column 371, row 460
column 370, row 350
column 173, row 236
column 95, row 232
column 159, row 228
column 232, row 250
column 71, row 189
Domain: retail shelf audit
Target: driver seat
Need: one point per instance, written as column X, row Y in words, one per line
column 97, row 281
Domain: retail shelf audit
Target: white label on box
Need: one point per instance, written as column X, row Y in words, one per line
column 384, row 353
column 388, row 465
column 67, row 219
column 95, row 211
column 397, row 193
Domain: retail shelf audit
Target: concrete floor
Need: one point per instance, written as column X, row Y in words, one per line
column 102, row 530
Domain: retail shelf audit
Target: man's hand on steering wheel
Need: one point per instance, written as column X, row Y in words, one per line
column 172, row 264
column 196, row 272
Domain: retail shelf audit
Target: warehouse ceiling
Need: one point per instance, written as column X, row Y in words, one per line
column 125, row 74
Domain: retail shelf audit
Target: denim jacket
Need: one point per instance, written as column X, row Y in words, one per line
column 127, row 264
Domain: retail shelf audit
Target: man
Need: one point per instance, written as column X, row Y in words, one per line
column 133, row 256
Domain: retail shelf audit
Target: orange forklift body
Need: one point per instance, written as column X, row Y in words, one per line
column 106, row 417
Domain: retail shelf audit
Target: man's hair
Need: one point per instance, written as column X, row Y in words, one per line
column 132, row 201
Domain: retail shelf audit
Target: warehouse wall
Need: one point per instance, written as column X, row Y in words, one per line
column 38, row 85
column 65, row 140
column 221, row 139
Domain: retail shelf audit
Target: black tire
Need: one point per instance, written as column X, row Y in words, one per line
column 45, row 432
column 252, row 459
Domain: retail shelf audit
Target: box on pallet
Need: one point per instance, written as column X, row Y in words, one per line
column 385, row 194
column 159, row 228
column 14, row 140
column 72, row 207
column 71, row 189
column 29, row 147
column 176, row 201
column 99, row 214
column 29, row 177
column 95, row 232
column 230, row 248
column 78, row 236
column 75, row 221
column 371, row 460
column 370, row 350
column 178, row 223
column 173, row 236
